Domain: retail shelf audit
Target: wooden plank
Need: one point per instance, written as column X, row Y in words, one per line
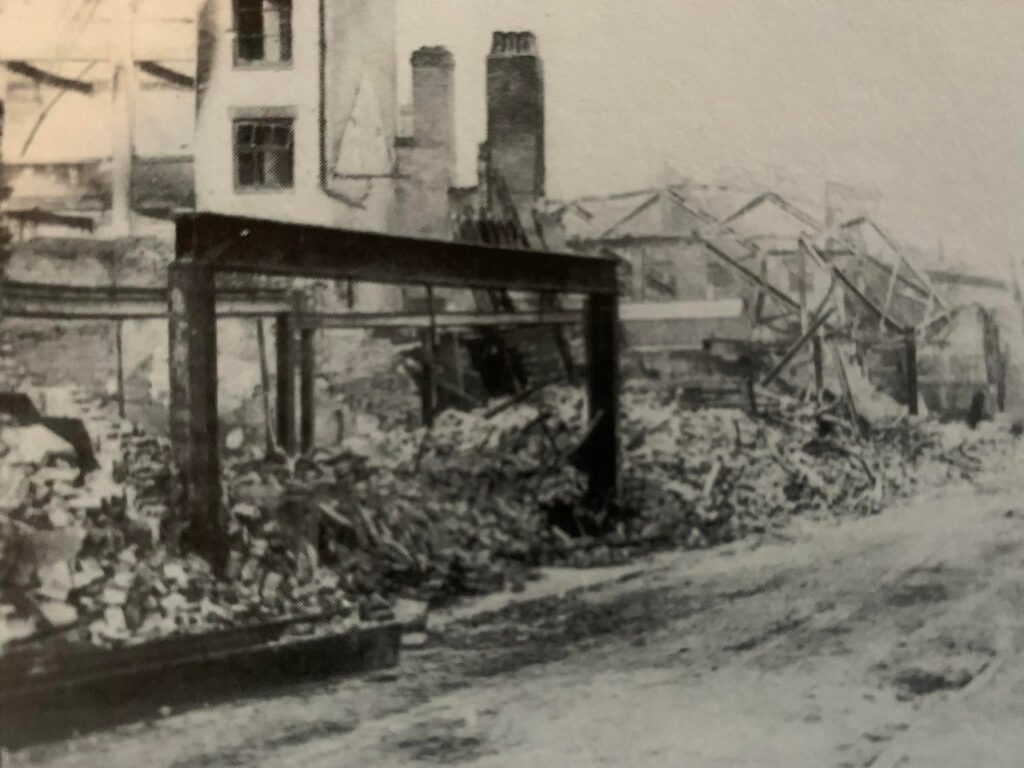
column 912, row 388
column 119, row 344
column 128, row 312
column 47, row 301
column 247, row 245
column 751, row 275
column 844, row 381
column 431, row 355
column 428, row 386
column 92, row 688
column 268, row 428
column 680, row 310
column 797, row 346
column 193, row 405
column 307, row 392
column 441, row 319
column 51, row 79
column 819, row 366
column 856, row 291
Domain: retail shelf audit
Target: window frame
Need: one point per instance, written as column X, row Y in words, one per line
column 271, row 120
column 284, row 34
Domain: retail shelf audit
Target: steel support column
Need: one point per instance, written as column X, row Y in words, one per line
column 602, row 338
column 193, row 413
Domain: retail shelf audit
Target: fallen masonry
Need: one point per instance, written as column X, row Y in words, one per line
column 393, row 522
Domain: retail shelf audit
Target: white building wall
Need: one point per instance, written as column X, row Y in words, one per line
column 360, row 56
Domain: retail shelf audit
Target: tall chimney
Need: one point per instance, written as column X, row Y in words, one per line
column 433, row 98
column 515, row 115
column 427, row 154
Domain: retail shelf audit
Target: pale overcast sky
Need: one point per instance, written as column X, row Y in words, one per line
column 921, row 99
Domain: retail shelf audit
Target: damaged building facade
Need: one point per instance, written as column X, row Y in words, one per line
column 296, row 118
column 728, row 264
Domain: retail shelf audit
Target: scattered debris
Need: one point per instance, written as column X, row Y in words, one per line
column 390, row 523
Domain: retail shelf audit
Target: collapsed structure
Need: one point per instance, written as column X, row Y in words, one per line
column 759, row 266
column 321, row 210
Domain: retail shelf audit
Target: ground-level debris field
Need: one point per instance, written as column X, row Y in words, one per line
column 395, row 521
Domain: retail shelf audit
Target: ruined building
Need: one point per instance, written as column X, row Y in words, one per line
column 296, row 111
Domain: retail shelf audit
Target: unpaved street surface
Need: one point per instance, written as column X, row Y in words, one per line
column 861, row 643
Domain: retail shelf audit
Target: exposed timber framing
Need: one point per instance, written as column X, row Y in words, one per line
column 168, row 75
column 44, row 77
column 853, row 289
column 750, row 274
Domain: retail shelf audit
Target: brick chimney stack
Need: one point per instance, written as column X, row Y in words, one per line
column 427, row 154
column 515, row 115
column 433, row 98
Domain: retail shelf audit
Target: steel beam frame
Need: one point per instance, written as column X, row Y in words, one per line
column 208, row 244
column 246, row 245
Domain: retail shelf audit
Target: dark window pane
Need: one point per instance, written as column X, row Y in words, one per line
column 243, row 133
column 280, row 171
column 286, row 42
column 249, row 29
column 288, row 167
column 250, row 39
column 250, row 48
column 282, row 136
column 247, row 173
column 262, row 135
column 263, row 30
column 261, row 169
column 249, row 17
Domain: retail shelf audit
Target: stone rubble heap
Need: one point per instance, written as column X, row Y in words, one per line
column 469, row 506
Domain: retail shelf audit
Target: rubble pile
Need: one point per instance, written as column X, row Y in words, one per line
column 467, row 506
column 98, row 559
column 472, row 503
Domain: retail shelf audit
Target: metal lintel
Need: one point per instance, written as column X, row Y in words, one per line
column 247, row 245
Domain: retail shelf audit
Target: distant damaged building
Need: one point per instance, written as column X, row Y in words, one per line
column 749, row 270
column 97, row 126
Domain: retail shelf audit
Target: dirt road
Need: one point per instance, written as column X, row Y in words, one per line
column 851, row 644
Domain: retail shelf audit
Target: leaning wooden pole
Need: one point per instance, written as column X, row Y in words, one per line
column 1018, row 293
column 122, row 409
column 268, row 426
column 911, row 364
